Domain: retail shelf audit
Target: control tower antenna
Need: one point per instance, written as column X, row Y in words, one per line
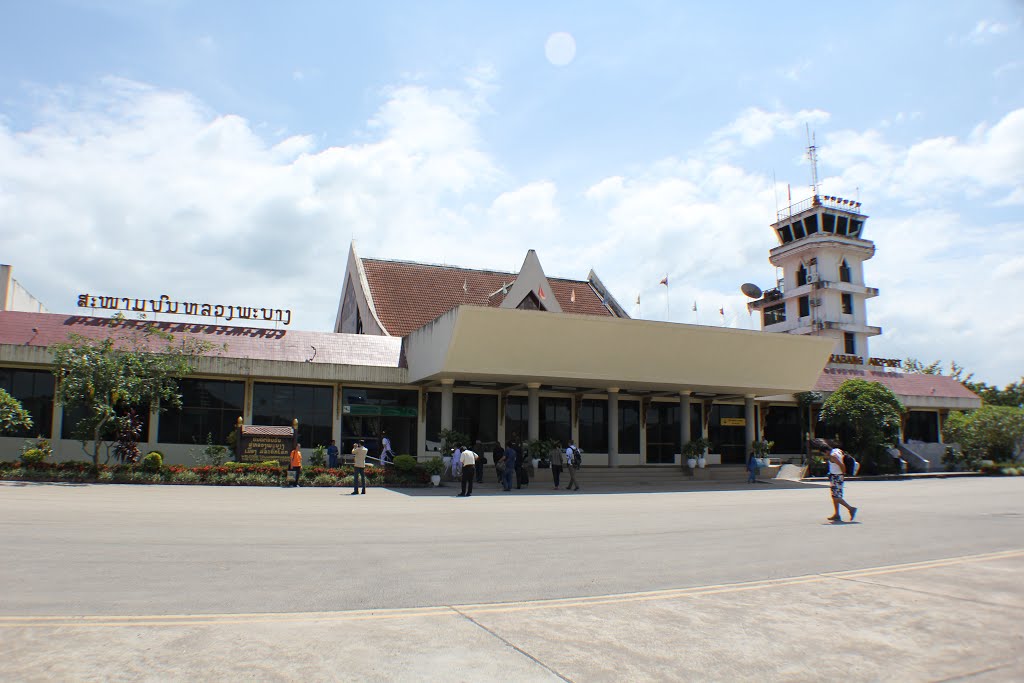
column 812, row 154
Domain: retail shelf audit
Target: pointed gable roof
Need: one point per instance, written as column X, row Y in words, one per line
column 532, row 281
column 408, row 295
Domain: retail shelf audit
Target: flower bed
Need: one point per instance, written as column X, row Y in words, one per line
column 229, row 474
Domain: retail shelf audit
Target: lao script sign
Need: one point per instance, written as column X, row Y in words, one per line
column 257, row 443
column 165, row 305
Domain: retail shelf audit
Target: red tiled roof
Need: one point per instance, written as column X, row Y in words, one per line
column 408, row 295
column 901, row 384
column 46, row 329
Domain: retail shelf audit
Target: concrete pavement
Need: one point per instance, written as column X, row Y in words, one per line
column 186, row 583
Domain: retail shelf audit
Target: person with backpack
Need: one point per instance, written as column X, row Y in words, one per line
column 573, row 461
column 837, row 467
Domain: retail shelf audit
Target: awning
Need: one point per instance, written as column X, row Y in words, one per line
column 474, row 343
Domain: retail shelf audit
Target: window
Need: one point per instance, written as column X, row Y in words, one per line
column 312, row 406
column 556, row 419
column 849, row 343
column 208, row 408
column 476, row 416
column 922, row 425
column 773, row 315
column 368, row 415
column 629, row 427
column 34, row 390
column 848, row 304
column 72, row 416
column 594, row 425
column 433, row 420
column 844, row 272
column 801, row 276
column 805, row 306
column 517, row 418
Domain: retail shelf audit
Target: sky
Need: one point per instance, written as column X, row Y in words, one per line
column 231, row 152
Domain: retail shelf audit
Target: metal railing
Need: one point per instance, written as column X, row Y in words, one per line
column 828, row 201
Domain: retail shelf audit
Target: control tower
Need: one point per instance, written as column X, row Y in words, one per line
column 822, row 292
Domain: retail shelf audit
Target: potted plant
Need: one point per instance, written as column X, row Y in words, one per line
column 434, row 467
column 761, row 449
column 693, row 451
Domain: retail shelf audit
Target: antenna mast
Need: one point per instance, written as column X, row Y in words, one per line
column 812, row 154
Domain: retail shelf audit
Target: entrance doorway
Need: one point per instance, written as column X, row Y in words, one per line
column 663, row 433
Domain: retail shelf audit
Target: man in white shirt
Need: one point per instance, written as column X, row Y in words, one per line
column 836, row 470
column 468, row 460
column 570, row 462
column 386, row 454
column 358, row 467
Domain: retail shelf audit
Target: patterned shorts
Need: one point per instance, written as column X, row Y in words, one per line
column 835, row 482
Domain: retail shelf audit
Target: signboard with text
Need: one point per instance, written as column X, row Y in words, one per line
column 257, row 443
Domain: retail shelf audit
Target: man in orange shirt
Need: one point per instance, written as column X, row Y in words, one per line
column 296, row 462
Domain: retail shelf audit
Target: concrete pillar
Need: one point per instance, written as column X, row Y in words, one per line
column 613, row 427
column 533, row 419
column 447, row 390
column 336, row 420
column 57, row 411
column 421, row 424
column 247, row 401
column 748, row 413
column 154, row 425
column 684, row 418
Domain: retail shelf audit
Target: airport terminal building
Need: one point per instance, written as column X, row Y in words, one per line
column 497, row 355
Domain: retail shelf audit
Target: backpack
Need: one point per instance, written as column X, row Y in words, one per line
column 851, row 465
column 577, row 459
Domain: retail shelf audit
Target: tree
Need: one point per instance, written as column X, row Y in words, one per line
column 868, row 413
column 136, row 365
column 990, row 432
column 13, row 417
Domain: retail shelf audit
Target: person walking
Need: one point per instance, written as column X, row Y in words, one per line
column 510, row 468
column 481, row 460
column 386, row 454
column 468, row 459
column 836, row 471
column 752, row 469
column 573, row 461
column 358, row 467
column 457, row 462
column 332, row 455
column 557, row 461
column 522, row 468
column 295, row 463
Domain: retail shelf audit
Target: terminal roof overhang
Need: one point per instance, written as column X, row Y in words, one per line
column 511, row 348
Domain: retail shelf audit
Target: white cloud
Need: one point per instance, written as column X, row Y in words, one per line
column 130, row 189
column 988, row 161
column 756, row 126
column 985, row 30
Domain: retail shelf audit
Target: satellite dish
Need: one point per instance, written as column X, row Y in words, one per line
column 751, row 290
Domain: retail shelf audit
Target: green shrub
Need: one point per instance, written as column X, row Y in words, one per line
column 318, row 458
column 184, row 477
column 325, row 480
column 434, row 466
column 105, row 477
column 153, row 461
column 405, row 463
column 32, row 456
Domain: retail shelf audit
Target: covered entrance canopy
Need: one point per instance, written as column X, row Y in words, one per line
column 515, row 347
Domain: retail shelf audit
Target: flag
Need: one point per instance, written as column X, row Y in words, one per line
column 695, row 306
column 465, row 286
column 540, row 292
column 721, row 312
column 637, row 299
column 572, row 297
column 664, row 281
